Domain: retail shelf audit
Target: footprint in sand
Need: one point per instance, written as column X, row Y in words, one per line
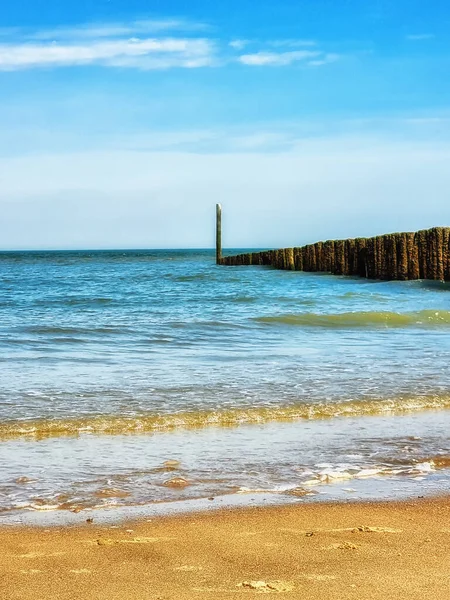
column 147, row 540
column 366, row 529
column 210, row 589
column 360, row 528
column 342, row 546
column 267, row 586
column 135, row 540
column 104, row 542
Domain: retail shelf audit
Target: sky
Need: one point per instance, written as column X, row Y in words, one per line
column 123, row 122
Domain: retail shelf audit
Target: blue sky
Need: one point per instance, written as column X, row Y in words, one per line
column 123, row 122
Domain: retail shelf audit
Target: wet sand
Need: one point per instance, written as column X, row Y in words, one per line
column 327, row 551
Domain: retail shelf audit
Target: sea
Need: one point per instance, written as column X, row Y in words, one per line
column 150, row 381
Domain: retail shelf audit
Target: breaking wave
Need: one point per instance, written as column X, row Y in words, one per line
column 152, row 422
column 369, row 320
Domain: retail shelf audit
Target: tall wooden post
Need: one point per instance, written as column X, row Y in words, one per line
column 218, row 234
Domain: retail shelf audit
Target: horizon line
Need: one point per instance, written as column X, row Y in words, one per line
column 129, row 249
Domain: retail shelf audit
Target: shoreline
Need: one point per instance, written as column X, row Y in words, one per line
column 372, row 458
column 354, row 549
column 370, row 490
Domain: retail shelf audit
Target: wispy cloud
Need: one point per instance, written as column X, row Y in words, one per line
column 108, row 30
column 239, row 44
column 325, row 59
column 281, row 59
column 149, row 53
column 145, row 45
column 142, row 44
column 287, row 136
column 419, row 37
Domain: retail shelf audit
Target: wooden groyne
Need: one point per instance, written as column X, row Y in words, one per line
column 421, row 255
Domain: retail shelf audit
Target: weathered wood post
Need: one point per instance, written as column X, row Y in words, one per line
column 218, row 234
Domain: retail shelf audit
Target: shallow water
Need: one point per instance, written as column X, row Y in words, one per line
column 112, row 363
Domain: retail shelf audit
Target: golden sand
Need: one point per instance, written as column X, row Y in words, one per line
column 324, row 551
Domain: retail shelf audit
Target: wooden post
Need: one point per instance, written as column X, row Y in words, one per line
column 218, row 234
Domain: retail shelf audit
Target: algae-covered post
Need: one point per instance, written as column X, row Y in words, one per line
column 218, row 234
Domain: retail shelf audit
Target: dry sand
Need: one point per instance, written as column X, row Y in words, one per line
column 323, row 551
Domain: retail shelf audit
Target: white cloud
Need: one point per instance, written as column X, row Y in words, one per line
column 238, row 44
column 278, row 59
column 114, row 29
column 108, row 30
column 149, row 53
column 312, row 58
column 420, row 37
column 145, row 44
column 326, row 59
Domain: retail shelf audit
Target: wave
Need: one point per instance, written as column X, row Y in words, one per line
column 74, row 301
column 193, row 277
column 152, row 422
column 242, row 299
column 436, row 286
column 54, row 330
column 363, row 296
column 330, row 474
column 209, row 324
column 370, row 320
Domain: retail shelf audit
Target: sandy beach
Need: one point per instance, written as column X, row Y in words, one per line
column 353, row 550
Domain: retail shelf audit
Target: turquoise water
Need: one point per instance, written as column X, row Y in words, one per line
column 253, row 380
